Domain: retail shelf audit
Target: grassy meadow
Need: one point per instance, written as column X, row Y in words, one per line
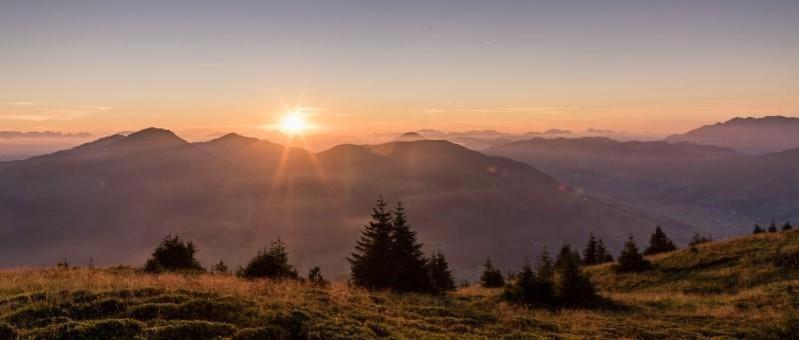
column 746, row 287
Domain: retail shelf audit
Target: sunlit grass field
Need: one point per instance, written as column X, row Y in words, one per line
column 741, row 288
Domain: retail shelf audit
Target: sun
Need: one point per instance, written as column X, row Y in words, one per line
column 293, row 123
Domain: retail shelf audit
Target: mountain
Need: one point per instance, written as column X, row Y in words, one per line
column 410, row 137
column 714, row 188
column 115, row 198
column 749, row 135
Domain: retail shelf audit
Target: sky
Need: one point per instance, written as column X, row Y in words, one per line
column 358, row 67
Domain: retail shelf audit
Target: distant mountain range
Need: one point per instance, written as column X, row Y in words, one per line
column 748, row 135
column 115, row 198
column 714, row 188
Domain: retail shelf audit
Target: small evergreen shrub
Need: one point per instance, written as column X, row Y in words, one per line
column 630, row 260
column 491, row 277
column 261, row 333
column 173, row 254
column 8, row 332
column 659, row 243
column 270, row 263
column 191, row 329
column 29, row 316
column 90, row 330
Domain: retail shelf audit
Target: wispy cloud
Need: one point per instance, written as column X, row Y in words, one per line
column 37, row 112
column 499, row 110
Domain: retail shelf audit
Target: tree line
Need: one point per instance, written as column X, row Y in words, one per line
column 388, row 256
column 772, row 228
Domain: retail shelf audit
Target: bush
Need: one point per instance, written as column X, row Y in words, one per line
column 7, row 331
column 316, row 279
column 294, row 323
column 270, row 263
column 198, row 309
column 101, row 329
column 491, row 277
column 261, row 333
column 98, row 309
column 196, row 330
column 173, row 255
column 28, row 316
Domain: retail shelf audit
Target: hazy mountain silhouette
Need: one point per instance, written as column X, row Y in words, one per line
column 706, row 186
column 750, row 135
column 114, row 198
column 410, row 137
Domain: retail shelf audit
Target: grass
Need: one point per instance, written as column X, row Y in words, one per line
column 740, row 288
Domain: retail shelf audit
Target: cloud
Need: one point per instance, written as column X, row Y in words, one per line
column 28, row 117
column 35, row 112
column 42, row 134
column 511, row 109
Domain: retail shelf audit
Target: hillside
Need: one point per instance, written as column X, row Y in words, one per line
column 740, row 288
column 717, row 189
column 750, row 135
column 114, row 198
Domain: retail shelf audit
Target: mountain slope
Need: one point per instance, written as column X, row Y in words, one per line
column 114, row 199
column 715, row 188
column 750, row 135
column 744, row 288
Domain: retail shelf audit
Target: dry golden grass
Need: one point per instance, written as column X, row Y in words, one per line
column 731, row 289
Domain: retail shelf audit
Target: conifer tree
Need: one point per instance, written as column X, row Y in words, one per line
column 787, row 226
column 440, row 275
column 173, row 254
column 758, row 230
column 409, row 265
column 371, row 261
column 546, row 269
column 491, row 277
column 270, row 263
column 772, row 228
column 315, row 277
column 565, row 255
column 528, row 289
column 659, row 243
column 630, row 260
column 603, row 255
column 698, row 239
column 573, row 286
column 591, row 251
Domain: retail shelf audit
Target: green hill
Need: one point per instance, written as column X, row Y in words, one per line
column 741, row 288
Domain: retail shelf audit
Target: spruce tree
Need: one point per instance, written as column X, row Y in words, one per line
column 546, row 269
column 565, row 255
column 270, row 263
column 630, row 260
column 659, row 243
column 371, row 262
column 526, row 289
column 758, row 230
column 787, row 226
column 772, row 228
column 573, row 286
column 591, row 251
column 440, row 275
column 491, row 277
column 409, row 270
column 603, row 255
